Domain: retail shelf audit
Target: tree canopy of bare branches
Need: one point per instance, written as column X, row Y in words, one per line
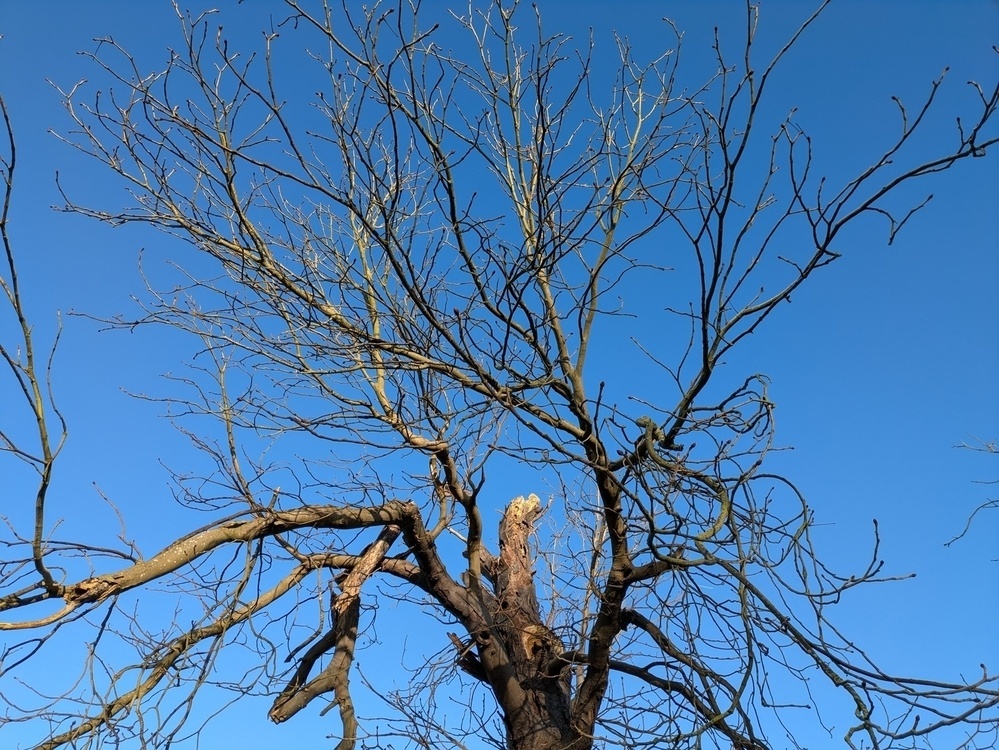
column 414, row 281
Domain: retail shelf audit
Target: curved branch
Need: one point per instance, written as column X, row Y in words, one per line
column 335, row 678
column 161, row 666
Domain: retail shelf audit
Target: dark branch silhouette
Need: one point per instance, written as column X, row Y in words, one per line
column 412, row 278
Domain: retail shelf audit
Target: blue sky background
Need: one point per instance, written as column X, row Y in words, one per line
column 882, row 364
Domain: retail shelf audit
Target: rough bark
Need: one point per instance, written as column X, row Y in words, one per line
column 516, row 650
column 335, row 678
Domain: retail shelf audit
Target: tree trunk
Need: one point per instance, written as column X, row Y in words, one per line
column 518, row 646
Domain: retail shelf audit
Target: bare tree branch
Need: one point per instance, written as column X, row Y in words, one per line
column 413, row 277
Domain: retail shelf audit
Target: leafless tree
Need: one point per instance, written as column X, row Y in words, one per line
column 417, row 279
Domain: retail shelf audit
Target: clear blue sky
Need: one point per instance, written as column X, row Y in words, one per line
column 880, row 366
